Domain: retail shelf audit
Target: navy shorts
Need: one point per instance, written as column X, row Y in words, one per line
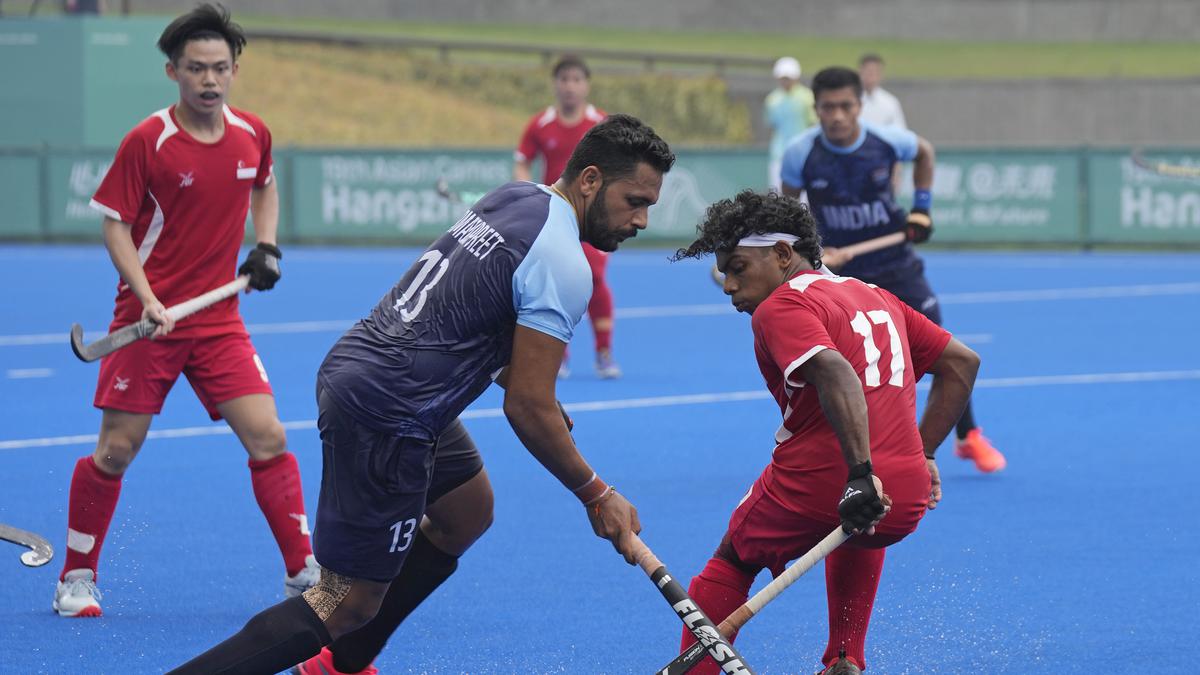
column 375, row 487
column 915, row 292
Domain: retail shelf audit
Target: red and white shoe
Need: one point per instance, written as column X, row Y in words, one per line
column 77, row 595
column 978, row 448
column 322, row 664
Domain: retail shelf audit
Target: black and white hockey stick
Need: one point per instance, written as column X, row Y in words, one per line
column 734, row 622
column 136, row 331
column 1164, row 168
column 711, row 641
column 40, row 552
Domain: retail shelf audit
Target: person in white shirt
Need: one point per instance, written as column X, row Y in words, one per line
column 879, row 106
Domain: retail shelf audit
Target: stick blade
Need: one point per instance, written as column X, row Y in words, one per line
column 77, row 345
column 40, row 551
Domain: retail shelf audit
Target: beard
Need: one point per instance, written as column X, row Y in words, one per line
column 595, row 225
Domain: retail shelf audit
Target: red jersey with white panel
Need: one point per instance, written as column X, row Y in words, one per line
column 546, row 135
column 187, row 203
column 890, row 346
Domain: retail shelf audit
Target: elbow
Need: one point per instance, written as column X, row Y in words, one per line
column 969, row 367
column 518, row 409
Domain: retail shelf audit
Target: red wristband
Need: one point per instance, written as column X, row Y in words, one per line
column 591, row 491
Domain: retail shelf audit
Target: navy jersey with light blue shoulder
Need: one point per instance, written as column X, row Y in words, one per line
column 850, row 193
column 433, row 344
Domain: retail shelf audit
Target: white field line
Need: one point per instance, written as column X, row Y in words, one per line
column 29, row 373
column 647, row 402
column 665, row 311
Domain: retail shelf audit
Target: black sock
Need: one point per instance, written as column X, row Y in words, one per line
column 425, row 568
column 966, row 422
column 273, row 640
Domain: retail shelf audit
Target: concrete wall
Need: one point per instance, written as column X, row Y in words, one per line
column 897, row 19
column 1032, row 113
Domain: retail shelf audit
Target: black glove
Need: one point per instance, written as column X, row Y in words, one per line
column 262, row 264
column 566, row 417
column 860, row 505
column 919, row 225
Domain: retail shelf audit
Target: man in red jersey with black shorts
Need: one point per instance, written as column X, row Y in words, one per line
column 553, row 134
column 842, row 359
column 175, row 202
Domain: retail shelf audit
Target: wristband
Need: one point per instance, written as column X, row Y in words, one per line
column 922, row 199
column 859, row 471
column 592, row 491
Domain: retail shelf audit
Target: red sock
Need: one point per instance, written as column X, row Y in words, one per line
column 277, row 488
column 851, row 579
column 92, row 503
column 718, row 590
column 600, row 311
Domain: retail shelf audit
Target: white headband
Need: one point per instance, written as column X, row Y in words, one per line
column 769, row 239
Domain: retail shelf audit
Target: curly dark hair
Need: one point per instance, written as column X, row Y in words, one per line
column 205, row 22
column 726, row 222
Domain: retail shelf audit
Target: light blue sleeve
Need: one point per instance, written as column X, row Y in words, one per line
column 795, row 156
column 903, row 141
column 553, row 284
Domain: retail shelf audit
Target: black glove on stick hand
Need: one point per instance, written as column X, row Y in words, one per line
column 860, row 505
column 262, row 264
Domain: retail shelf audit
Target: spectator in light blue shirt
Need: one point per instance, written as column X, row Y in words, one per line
column 788, row 111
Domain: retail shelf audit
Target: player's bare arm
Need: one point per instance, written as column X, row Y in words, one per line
column 842, row 401
column 953, row 379
column 845, row 406
column 923, row 165
column 531, row 409
column 118, row 239
column 264, row 212
column 522, row 170
column 262, row 263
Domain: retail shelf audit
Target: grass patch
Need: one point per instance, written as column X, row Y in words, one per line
column 326, row 95
column 938, row 59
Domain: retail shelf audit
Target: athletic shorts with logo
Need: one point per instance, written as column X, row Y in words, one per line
column 375, row 487
column 220, row 368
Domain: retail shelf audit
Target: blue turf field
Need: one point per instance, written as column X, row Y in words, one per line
column 1082, row 557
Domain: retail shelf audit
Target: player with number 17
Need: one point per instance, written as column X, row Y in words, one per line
column 842, row 359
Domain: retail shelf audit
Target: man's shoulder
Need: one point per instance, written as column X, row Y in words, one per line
column 543, row 118
column 157, row 124
column 246, row 120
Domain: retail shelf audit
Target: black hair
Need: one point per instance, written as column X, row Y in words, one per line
column 834, row 78
column 726, row 222
column 870, row 57
column 616, row 146
column 571, row 61
column 205, row 22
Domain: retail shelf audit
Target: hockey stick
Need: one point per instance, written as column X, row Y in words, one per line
column 734, row 622
column 862, row 247
column 40, row 552
column 136, row 331
column 711, row 642
column 442, row 186
column 1163, row 168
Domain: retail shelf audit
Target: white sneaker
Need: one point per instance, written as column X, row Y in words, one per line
column 606, row 367
column 77, row 595
column 304, row 579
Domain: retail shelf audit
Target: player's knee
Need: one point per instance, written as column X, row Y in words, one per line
column 343, row 605
column 114, row 453
column 267, row 441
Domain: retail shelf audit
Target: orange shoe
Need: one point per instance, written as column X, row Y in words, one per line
column 322, row 664
column 978, row 448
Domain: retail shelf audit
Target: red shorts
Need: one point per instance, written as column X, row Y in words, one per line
column 766, row 533
column 220, row 368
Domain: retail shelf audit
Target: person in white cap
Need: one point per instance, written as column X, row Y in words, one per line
column 787, row 111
